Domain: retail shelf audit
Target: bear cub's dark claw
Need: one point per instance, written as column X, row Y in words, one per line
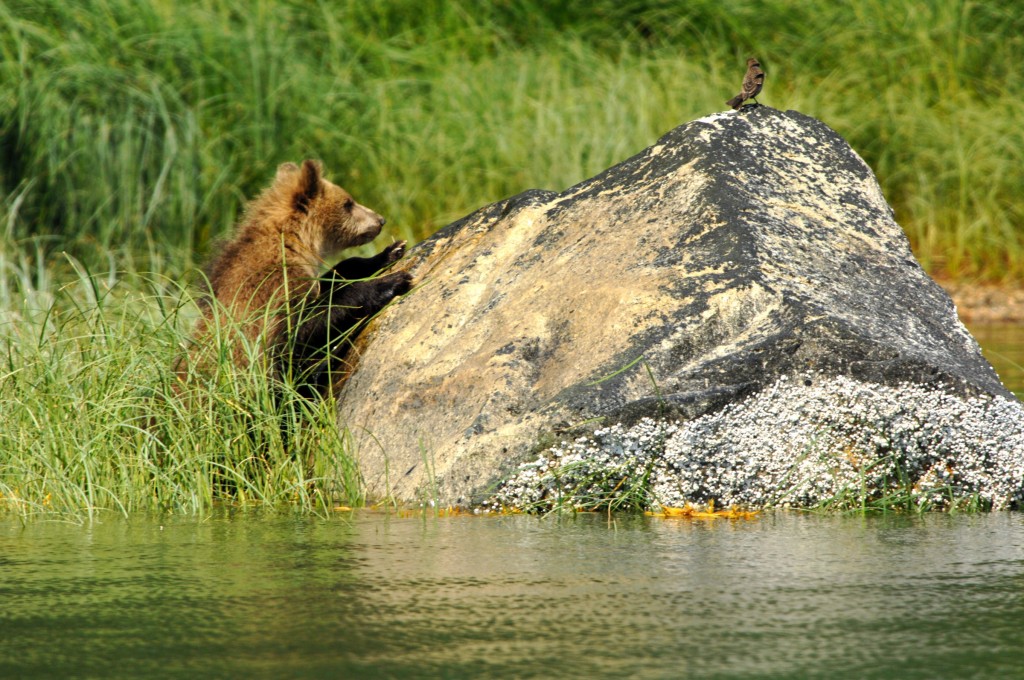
column 394, row 252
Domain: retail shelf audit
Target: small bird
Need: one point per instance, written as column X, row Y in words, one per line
column 752, row 83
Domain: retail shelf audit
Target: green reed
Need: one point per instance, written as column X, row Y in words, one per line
column 91, row 420
column 122, row 121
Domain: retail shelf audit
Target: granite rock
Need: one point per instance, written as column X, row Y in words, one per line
column 740, row 249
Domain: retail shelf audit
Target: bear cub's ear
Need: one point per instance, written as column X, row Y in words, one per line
column 284, row 171
column 307, row 185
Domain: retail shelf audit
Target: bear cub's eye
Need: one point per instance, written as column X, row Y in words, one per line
column 349, row 204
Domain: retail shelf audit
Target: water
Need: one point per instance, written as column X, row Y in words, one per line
column 1003, row 346
column 785, row 595
column 375, row 596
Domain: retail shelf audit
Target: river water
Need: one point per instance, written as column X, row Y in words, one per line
column 371, row 595
column 1003, row 346
column 377, row 596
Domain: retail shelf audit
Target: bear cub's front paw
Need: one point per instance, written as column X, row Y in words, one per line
column 394, row 252
column 397, row 284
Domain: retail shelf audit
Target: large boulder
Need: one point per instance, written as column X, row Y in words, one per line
column 703, row 315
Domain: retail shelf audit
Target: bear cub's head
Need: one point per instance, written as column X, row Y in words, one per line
column 326, row 208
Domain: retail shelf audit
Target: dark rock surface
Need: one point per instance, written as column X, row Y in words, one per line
column 741, row 248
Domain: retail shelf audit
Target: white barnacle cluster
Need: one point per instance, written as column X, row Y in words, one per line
column 801, row 442
column 612, row 467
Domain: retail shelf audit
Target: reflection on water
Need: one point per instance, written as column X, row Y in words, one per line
column 786, row 595
column 1003, row 346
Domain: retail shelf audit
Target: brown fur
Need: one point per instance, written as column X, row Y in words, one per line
column 270, row 266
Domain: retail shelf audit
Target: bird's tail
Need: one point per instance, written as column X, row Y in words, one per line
column 735, row 101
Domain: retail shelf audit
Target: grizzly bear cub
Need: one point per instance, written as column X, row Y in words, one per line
column 266, row 280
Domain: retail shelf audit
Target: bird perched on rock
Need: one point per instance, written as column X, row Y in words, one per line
column 752, row 83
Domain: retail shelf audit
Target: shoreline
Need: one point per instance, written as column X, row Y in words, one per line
column 986, row 303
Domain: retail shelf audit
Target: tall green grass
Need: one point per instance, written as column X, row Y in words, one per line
column 91, row 420
column 121, row 121
column 131, row 133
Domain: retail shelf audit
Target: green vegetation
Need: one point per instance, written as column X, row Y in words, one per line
column 122, row 120
column 91, row 419
column 131, row 133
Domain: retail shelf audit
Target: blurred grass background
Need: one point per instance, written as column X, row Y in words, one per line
column 132, row 131
column 125, row 122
